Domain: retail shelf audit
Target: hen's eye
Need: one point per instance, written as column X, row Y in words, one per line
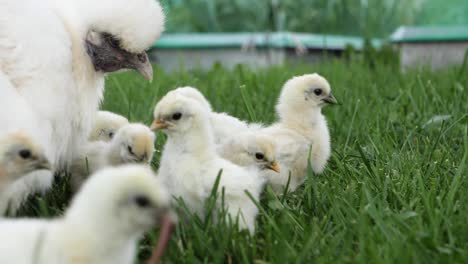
column 318, row 91
column 111, row 134
column 141, row 57
column 113, row 41
column 142, row 201
column 25, row 154
column 176, row 116
column 259, row 156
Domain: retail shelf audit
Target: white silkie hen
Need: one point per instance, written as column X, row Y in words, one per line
column 56, row 54
column 102, row 225
column 301, row 126
column 133, row 143
column 224, row 125
column 190, row 163
column 18, row 157
column 106, row 126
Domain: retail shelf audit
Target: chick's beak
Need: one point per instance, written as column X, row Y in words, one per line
column 158, row 123
column 143, row 158
column 330, row 99
column 274, row 166
column 43, row 164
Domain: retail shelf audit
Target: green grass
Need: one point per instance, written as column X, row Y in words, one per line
column 394, row 191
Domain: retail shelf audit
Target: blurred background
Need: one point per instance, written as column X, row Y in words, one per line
column 371, row 18
column 261, row 33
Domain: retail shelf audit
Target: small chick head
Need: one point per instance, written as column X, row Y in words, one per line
column 20, row 155
column 134, row 143
column 106, row 126
column 177, row 114
column 261, row 150
column 304, row 92
column 195, row 94
column 128, row 200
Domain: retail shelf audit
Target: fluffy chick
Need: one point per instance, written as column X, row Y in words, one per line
column 102, row 225
column 301, row 125
column 106, row 125
column 190, row 163
column 133, row 143
column 224, row 125
column 19, row 156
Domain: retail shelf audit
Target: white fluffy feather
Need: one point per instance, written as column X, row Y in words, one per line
column 190, row 163
column 102, row 225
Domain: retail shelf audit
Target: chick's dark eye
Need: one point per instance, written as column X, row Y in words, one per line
column 111, row 134
column 25, row 153
column 142, row 201
column 259, row 156
column 176, row 116
column 130, row 150
column 318, row 91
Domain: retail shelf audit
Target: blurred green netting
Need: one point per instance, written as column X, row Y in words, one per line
column 376, row 18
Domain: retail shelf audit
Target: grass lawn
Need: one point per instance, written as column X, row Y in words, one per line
column 395, row 189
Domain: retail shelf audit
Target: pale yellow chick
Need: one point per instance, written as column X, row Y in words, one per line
column 301, row 127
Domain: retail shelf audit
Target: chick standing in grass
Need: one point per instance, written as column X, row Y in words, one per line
column 106, row 126
column 224, row 125
column 102, row 225
column 133, row 143
column 301, row 126
column 18, row 157
column 190, row 163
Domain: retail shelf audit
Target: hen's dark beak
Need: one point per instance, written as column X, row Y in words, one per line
column 107, row 55
column 143, row 66
column 167, row 226
column 330, row 99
